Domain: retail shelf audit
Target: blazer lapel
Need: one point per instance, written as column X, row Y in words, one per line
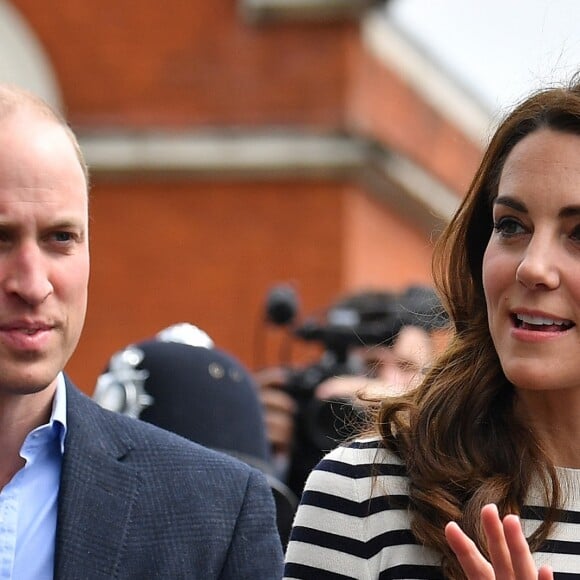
column 97, row 493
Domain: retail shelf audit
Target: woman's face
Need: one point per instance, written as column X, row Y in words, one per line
column 531, row 267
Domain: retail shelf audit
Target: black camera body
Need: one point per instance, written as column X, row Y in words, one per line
column 319, row 425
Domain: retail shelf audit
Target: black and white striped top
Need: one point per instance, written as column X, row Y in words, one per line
column 348, row 527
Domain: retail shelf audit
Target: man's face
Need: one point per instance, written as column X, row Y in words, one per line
column 401, row 366
column 44, row 252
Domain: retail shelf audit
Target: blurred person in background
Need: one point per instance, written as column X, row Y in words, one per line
column 394, row 368
column 180, row 381
column 378, row 342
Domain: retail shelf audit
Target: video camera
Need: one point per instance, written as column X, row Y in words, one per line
column 320, row 425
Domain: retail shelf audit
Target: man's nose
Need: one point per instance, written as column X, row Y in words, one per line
column 26, row 274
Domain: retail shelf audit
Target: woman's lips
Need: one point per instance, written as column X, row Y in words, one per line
column 541, row 323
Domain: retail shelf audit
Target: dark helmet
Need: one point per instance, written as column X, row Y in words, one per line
column 197, row 391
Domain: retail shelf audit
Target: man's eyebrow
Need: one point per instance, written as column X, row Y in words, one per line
column 67, row 223
column 7, row 223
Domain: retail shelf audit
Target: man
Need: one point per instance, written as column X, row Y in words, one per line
column 379, row 368
column 87, row 493
column 391, row 370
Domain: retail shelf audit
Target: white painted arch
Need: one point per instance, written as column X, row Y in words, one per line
column 23, row 59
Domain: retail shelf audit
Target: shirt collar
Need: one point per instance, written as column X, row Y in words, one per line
column 57, row 421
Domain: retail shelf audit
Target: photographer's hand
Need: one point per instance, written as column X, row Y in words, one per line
column 346, row 387
column 509, row 551
column 279, row 408
column 359, row 390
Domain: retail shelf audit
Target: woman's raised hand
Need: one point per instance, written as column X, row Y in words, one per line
column 510, row 554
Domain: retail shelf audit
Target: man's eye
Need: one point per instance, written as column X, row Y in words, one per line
column 508, row 227
column 407, row 366
column 62, row 236
column 373, row 368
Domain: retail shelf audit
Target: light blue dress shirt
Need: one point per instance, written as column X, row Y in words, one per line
column 28, row 503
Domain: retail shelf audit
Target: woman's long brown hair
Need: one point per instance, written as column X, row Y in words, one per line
column 459, row 434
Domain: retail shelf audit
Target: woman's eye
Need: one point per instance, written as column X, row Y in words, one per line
column 575, row 235
column 508, row 227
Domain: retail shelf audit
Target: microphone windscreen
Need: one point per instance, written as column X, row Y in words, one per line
column 281, row 304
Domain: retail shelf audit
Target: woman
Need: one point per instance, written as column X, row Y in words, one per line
column 491, row 437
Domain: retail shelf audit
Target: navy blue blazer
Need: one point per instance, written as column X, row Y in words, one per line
column 139, row 502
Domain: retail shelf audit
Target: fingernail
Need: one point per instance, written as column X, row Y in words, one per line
column 492, row 506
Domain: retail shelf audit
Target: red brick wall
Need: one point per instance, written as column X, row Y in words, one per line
column 167, row 250
column 383, row 107
column 188, row 62
column 206, row 253
column 381, row 247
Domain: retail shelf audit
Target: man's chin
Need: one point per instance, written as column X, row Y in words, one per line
column 27, row 385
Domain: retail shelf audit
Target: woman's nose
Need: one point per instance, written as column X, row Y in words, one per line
column 538, row 267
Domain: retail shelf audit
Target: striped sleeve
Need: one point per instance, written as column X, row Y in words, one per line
column 353, row 521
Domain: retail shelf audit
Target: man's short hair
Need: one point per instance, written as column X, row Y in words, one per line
column 14, row 98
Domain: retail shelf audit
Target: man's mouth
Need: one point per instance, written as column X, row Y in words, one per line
column 541, row 323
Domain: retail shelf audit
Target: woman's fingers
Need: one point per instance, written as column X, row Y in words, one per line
column 499, row 551
column 545, row 573
column 508, row 548
column 475, row 566
column 523, row 563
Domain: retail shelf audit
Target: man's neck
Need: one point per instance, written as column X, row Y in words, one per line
column 19, row 415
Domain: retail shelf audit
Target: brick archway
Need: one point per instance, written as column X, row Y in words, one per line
column 23, row 60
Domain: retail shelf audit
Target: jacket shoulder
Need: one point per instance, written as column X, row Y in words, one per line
column 137, row 442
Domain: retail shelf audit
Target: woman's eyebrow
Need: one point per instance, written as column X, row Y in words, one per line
column 508, row 201
column 511, row 202
column 569, row 211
